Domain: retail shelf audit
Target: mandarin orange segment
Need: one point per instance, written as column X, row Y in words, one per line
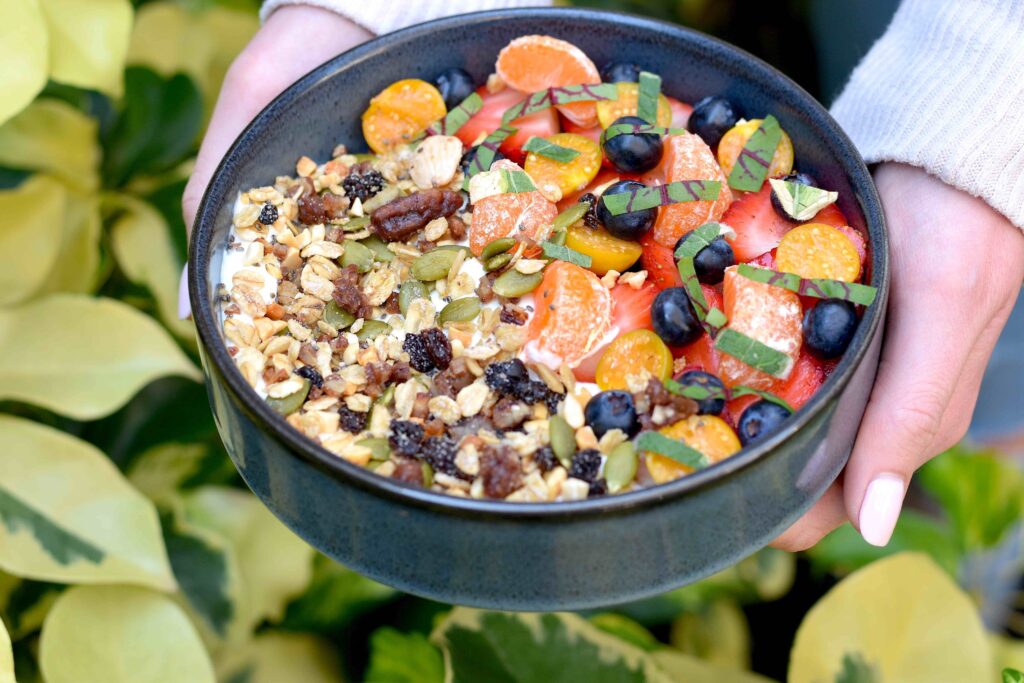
column 687, row 157
column 816, row 250
column 570, row 176
column 632, row 359
column 771, row 315
column 400, row 112
column 514, row 214
column 732, row 143
column 605, row 251
column 708, row 434
column 531, row 63
column 625, row 105
column 573, row 313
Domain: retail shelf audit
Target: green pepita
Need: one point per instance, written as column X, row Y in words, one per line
column 372, row 329
column 379, row 448
column 558, row 237
column 387, row 397
column 356, row 223
column 498, row 246
column 434, row 265
column 378, row 200
column 357, row 255
column 337, row 317
column 379, row 248
column 409, row 291
column 620, row 467
column 566, row 218
column 428, row 475
column 460, row 311
column 286, row 405
column 513, row 284
column 563, row 439
column 498, row 261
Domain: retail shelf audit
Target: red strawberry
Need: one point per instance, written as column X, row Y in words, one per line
column 488, row 119
column 758, row 227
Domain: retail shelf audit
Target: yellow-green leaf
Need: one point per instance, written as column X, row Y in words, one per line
column 120, row 634
column 6, row 657
column 68, row 515
column 717, row 633
column 53, row 137
column 25, row 64
column 276, row 657
column 143, row 249
column 275, row 564
column 686, row 668
column 901, row 616
column 78, row 260
column 83, row 357
column 160, row 470
column 88, row 42
column 32, row 216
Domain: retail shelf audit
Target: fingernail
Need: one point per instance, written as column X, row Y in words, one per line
column 881, row 508
column 184, row 308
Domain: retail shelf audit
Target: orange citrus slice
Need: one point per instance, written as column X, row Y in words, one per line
column 732, row 143
column 573, row 313
column 570, row 176
column 708, row 434
column 641, row 354
column 519, row 215
column 625, row 105
column 816, row 250
column 401, row 112
column 687, row 157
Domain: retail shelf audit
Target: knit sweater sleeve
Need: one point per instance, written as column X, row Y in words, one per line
column 943, row 89
column 384, row 16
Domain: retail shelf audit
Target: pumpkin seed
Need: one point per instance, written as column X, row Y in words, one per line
column 574, row 213
column 620, row 467
column 513, row 284
column 381, row 198
column 563, row 440
column 498, row 261
column 428, row 475
column 356, row 223
column 372, row 329
column 434, row 265
column 379, row 448
column 558, row 237
column 357, row 255
column 286, row 405
column 498, row 246
column 460, row 311
column 337, row 317
column 409, row 291
column 387, row 397
column 364, row 156
column 379, row 248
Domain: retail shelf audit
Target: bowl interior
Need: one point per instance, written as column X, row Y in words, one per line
column 323, row 109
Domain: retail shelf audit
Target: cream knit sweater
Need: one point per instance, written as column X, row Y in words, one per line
column 943, row 89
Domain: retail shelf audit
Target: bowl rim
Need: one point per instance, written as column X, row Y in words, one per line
column 215, row 351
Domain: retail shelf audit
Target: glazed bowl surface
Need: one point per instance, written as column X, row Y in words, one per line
column 534, row 556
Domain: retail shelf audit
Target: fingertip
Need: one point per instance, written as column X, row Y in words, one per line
column 184, row 306
column 880, row 509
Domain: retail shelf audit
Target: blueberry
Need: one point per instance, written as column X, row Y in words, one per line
column 626, row 226
column 705, row 406
column 674, row 319
column 631, row 152
column 801, row 178
column 759, row 420
column 829, row 327
column 611, row 410
column 620, row 72
column 454, row 85
column 711, row 261
column 712, row 118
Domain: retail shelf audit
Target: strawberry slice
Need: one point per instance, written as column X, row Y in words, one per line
column 631, row 310
column 488, row 119
column 680, row 112
column 758, row 227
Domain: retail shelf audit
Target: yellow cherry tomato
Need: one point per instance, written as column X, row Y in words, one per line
column 625, row 105
column 640, row 354
column 400, row 112
column 605, row 251
column 569, row 176
column 732, row 143
column 816, row 250
column 708, row 434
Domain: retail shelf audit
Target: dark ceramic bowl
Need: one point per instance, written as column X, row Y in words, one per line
column 523, row 556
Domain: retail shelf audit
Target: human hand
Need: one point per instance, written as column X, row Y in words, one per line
column 957, row 267
column 293, row 41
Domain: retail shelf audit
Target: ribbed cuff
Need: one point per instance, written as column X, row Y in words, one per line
column 943, row 90
column 384, row 16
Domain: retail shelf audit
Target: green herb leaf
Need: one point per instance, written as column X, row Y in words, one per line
column 801, row 202
column 716, row 318
column 752, row 352
column 756, row 156
column 661, row 195
column 550, row 150
column 699, row 238
column 564, row 253
column 700, row 393
column 517, row 181
column 618, row 129
column 457, row 117
column 647, row 96
column 818, row 288
column 670, row 448
column 691, row 283
column 544, row 99
column 486, row 152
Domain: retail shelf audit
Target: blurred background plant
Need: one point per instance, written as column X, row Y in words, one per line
column 130, row 550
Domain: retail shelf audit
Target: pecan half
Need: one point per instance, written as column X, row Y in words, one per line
column 401, row 218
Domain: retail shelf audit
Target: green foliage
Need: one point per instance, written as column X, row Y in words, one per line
column 397, row 657
column 1012, row 676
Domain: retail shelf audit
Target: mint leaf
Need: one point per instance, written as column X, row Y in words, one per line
column 564, row 253
column 550, row 150
column 670, row 448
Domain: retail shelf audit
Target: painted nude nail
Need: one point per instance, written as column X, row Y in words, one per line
column 881, row 508
column 184, row 308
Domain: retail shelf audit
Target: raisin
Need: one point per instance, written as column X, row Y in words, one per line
column 311, row 209
column 311, row 374
column 590, row 218
column 419, row 356
column 534, row 391
column 500, row 471
column 509, row 413
column 408, row 470
column 439, row 452
column 586, row 465
column 362, row 183
column 545, row 459
column 598, row 488
column 352, row 421
column 510, row 313
column 406, row 437
column 505, row 376
column 451, row 381
column 403, row 217
column 457, row 227
column 268, row 215
column 438, row 347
